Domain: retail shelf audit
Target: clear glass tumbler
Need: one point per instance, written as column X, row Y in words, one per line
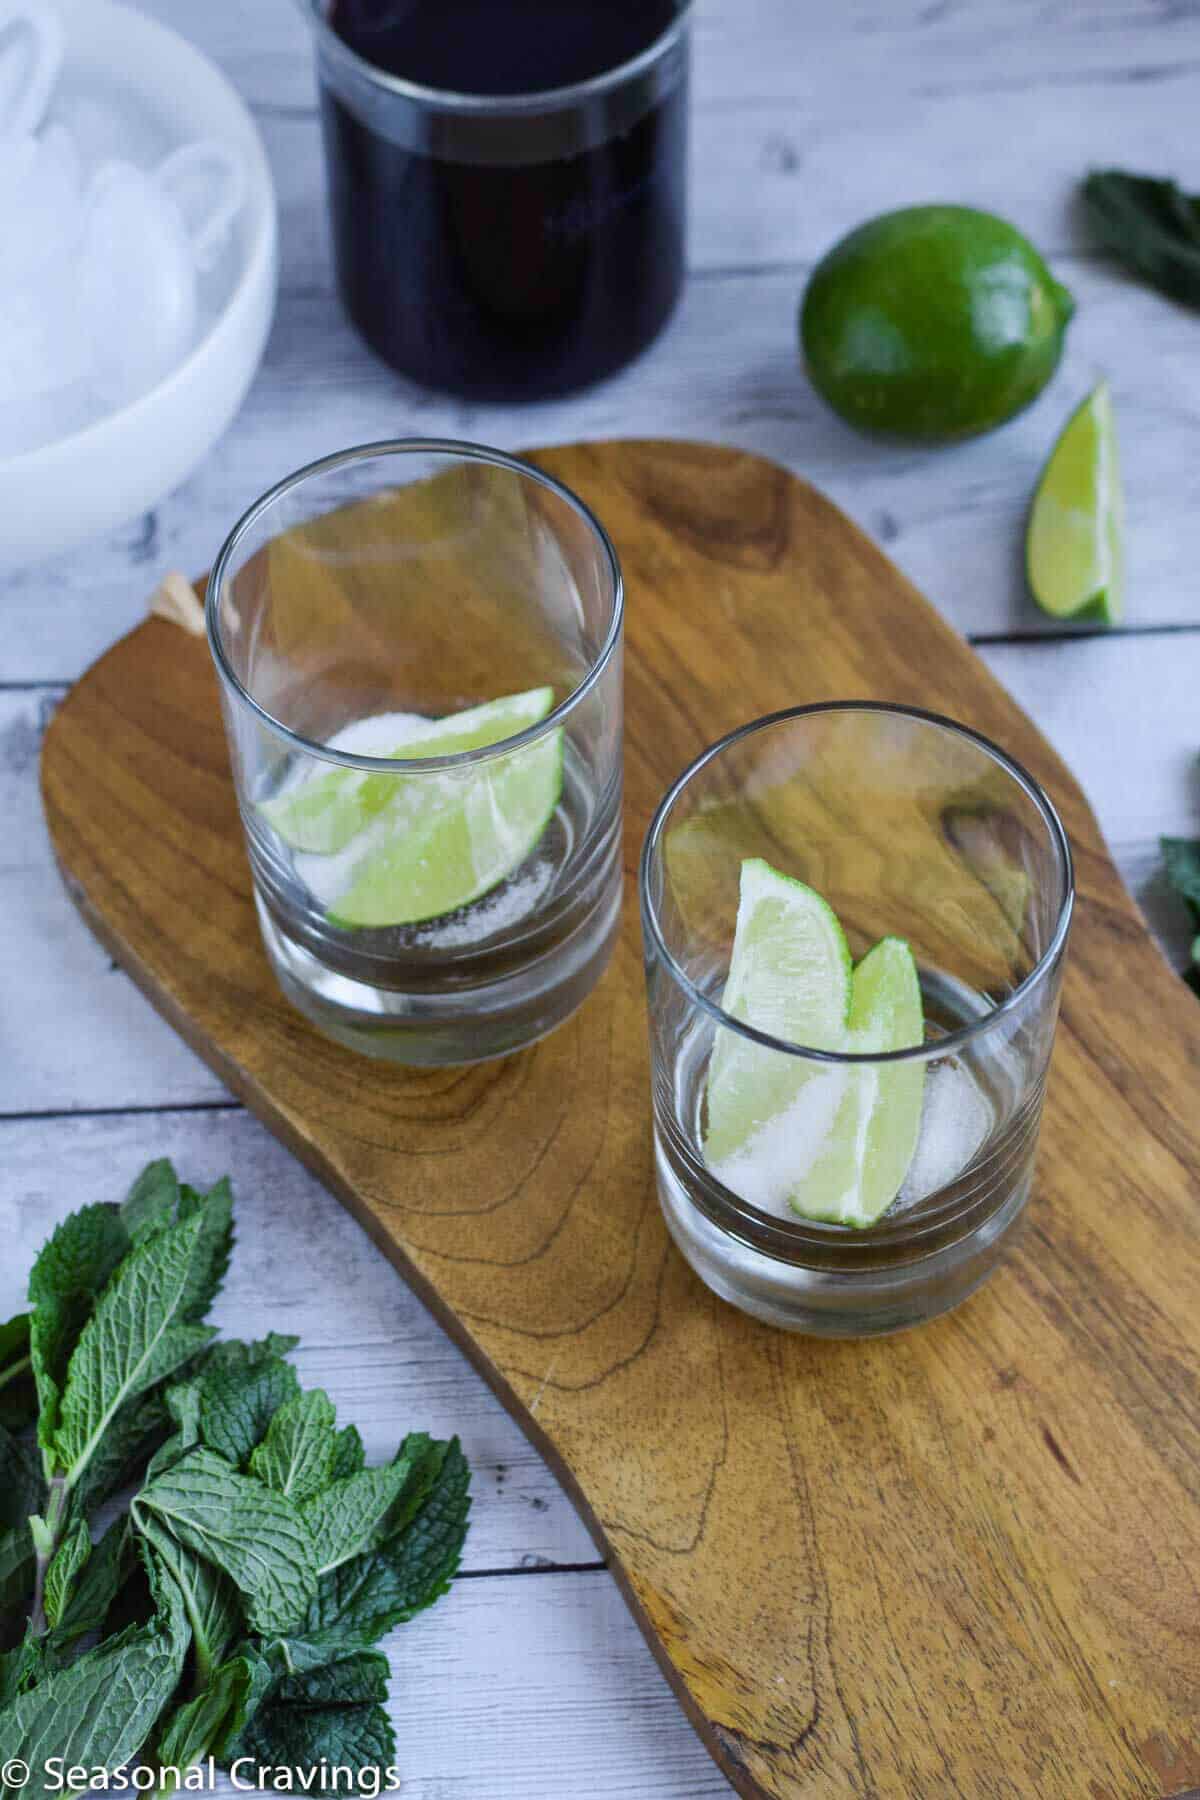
column 419, row 647
column 910, row 827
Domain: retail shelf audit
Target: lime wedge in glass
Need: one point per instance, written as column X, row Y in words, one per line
column 453, row 844
column 328, row 809
column 789, row 976
column 860, row 1169
column 1073, row 548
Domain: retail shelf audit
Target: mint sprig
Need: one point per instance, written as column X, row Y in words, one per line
column 231, row 1608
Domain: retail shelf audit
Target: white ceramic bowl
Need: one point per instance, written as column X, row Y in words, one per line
column 59, row 496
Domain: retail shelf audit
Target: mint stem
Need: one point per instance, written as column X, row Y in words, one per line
column 47, row 1535
column 14, row 1369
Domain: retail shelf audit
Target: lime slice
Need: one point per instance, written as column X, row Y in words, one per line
column 789, row 975
column 445, row 849
column 861, row 1168
column 327, row 810
column 1073, row 549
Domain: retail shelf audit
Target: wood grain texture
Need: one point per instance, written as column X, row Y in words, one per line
column 964, row 1560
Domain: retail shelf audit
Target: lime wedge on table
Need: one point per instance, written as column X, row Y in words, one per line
column 831, row 1141
column 325, row 811
column 1073, row 548
column 383, row 850
column 789, row 975
column 862, row 1166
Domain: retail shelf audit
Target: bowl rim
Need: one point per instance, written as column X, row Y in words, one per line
column 102, row 18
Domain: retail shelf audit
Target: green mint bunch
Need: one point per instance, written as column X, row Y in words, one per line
column 232, row 1606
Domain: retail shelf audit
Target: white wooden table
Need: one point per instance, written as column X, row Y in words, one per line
column 530, row 1682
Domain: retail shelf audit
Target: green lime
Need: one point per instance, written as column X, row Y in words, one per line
column 789, row 976
column 934, row 323
column 325, row 811
column 1073, row 549
column 475, row 830
column 861, row 1167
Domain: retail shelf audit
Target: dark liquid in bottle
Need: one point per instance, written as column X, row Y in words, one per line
column 538, row 254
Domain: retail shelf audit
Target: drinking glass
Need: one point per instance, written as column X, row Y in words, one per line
column 435, row 908
column 909, row 826
column 508, row 204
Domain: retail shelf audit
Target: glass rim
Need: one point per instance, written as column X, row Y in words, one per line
column 385, row 447
column 452, row 100
column 925, row 1052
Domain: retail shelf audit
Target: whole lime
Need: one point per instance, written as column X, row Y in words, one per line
column 933, row 323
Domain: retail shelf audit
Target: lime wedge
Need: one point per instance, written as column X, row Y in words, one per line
column 1073, row 548
column 473, row 830
column 789, row 975
column 861, row 1167
column 327, row 811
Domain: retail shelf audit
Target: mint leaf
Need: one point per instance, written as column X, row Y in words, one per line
column 257, row 1536
column 214, row 1246
column 21, row 1668
column 364, row 1598
column 346, row 1519
column 298, row 1453
column 70, row 1271
column 236, row 1353
column 158, row 1200
column 21, row 1486
column 1149, row 224
column 348, row 1456
column 18, row 1396
column 152, row 1201
column 210, row 1598
column 134, row 1433
column 99, row 1711
column 17, row 1570
column 239, row 1396
column 352, row 1741
column 66, row 1566
column 139, row 1333
column 96, row 1585
column 205, row 1726
column 353, row 1678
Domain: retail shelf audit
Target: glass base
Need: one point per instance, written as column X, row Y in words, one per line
column 842, row 1303
column 470, row 1025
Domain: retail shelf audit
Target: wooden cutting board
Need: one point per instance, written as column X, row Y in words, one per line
column 964, row 1562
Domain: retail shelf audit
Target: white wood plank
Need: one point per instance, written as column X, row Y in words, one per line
column 536, row 1688
column 539, row 1688
column 302, row 1265
column 825, row 57
column 61, row 998
column 1122, row 712
column 778, row 179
